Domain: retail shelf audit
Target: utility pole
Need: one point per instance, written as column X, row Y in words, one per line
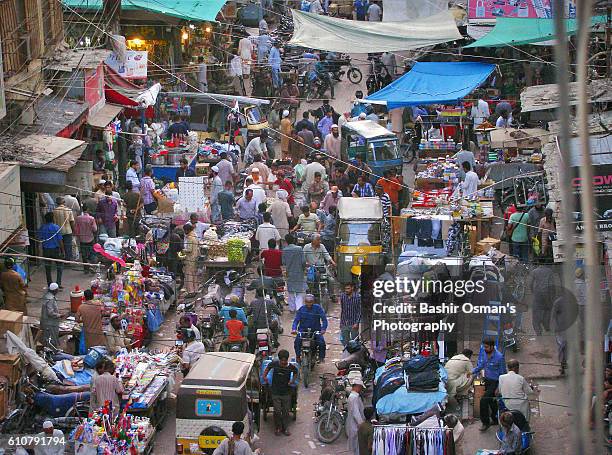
column 593, row 374
column 566, row 211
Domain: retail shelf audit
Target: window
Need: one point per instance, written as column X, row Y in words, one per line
column 384, row 150
column 359, row 234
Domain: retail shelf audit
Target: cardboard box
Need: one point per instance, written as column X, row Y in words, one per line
column 483, row 246
column 10, row 367
column 10, row 320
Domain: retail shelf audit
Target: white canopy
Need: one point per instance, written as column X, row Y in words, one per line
column 360, row 208
column 341, row 35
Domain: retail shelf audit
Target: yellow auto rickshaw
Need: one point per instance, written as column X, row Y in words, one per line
column 359, row 243
column 220, row 389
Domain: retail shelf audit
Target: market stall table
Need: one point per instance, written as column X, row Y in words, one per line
column 147, row 379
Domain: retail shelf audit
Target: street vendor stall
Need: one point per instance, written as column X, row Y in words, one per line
column 148, row 378
column 101, row 435
column 227, row 246
column 141, row 295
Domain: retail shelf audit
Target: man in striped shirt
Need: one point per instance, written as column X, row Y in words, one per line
column 385, row 201
column 350, row 313
column 362, row 188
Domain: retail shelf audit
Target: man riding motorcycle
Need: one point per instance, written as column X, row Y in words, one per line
column 310, row 316
column 264, row 314
column 321, row 69
column 317, row 255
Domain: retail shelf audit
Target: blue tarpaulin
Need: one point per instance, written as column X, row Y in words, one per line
column 433, row 83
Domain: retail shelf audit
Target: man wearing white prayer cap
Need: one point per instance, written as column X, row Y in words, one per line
column 55, row 442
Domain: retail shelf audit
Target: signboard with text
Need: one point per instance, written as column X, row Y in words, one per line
column 489, row 10
column 602, row 185
column 134, row 67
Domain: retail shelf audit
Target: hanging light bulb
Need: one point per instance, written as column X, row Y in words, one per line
column 185, row 36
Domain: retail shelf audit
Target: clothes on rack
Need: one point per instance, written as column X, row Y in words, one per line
column 404, row 440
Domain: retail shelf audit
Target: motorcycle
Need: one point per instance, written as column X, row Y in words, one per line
column 263, row 347
column 35, row 405
column 316, row 87
column 358, row 360
column 379, row 76
column 331, row 410
column 318, row 285
column 310, row 354
column 353, row 73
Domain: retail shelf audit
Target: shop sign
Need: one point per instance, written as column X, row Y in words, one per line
column 602, row 191
column 488, row 10
column 94, row 89
column 2, row 97
column 135, row 66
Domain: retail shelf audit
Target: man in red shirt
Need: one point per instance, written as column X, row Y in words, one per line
column 285, row 184
column 235, row 330
column 272, row 259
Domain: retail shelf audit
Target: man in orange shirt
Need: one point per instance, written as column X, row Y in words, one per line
column 392, row 185
column 235, row 329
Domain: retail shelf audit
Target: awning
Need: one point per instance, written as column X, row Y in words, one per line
column 340, row 35
column 433, row 83
column 49, row 158
column 543, row 97
column 479, row 31
column 190, row 10
column 104, row 116
column 515, row 31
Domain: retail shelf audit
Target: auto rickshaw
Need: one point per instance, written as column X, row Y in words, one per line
column 359, row 243
column 376, row 144
column 221, row 388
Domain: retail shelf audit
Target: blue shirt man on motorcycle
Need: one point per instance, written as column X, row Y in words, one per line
column 310, row 316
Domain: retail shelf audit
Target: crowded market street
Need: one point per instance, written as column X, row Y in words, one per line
column 305, row 227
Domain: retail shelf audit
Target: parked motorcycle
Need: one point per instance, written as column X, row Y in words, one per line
column 358, row 360
column 379, row 76
column 331, row 410
column 35, row 405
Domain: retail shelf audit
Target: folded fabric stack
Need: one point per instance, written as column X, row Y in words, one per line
column 422, row 374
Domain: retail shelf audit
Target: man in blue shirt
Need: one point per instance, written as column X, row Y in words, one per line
column 231, row 303
column 274, row 60
column 494, row 365
column 310, row 316
column 51, row 238
column 361, row 7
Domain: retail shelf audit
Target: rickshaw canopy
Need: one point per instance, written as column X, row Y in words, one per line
column 221, row 369
column 368, row 129
column 362, row 208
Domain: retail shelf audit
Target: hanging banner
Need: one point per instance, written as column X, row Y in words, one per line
column 134, row 67
column 488, row 10
column 94, row 89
